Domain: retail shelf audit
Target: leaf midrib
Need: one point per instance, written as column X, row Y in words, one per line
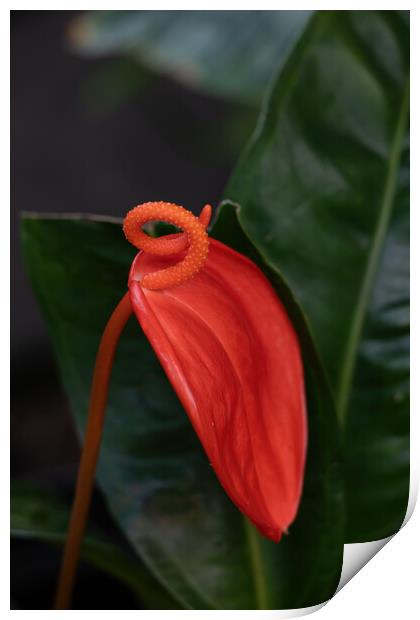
column 387, row 203
column 257, row 565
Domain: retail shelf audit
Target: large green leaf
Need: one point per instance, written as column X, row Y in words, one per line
column 37, row 514
column 154, row 473
column 323, row 187
column 227, row 53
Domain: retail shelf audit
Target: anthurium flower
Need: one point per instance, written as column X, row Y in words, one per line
column 231, row 353
column 232, row 356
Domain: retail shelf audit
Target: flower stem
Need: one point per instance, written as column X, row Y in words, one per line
column 90, row 452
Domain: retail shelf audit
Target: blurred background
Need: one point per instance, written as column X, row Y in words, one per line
column 110, row 110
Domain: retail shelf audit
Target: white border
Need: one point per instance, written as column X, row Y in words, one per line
column 388, row 585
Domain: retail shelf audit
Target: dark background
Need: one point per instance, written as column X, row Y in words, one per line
column 89, row 136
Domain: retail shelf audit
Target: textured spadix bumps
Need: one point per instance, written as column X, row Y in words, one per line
column 195, row 239
column 232, row 355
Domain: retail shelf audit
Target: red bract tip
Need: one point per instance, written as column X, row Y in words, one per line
column 232, row 355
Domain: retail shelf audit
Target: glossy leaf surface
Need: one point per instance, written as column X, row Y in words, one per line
column 154, row 473
column 226, row 53
column 323, row 189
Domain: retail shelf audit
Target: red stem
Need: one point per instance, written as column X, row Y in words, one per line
column 90, row 453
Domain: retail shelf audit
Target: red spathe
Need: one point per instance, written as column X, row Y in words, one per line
column 231, row 354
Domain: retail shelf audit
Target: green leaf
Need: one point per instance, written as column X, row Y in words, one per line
column 232, row 54
column 37, row 514
column 323, row 189
column 155, row 476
